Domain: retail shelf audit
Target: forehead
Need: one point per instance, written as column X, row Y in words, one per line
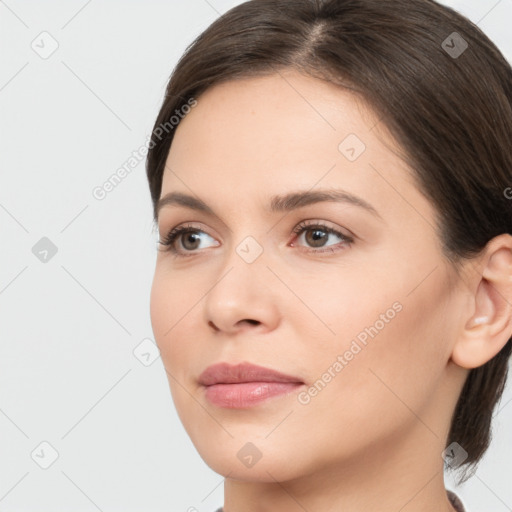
column 269, row 134
column 285, row 115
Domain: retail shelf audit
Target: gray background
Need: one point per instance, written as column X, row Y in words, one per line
column 71, row 325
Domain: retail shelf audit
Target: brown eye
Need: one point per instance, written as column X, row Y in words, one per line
column 317, row 236
column 189, row 239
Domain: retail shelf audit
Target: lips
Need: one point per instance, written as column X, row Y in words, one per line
column 224, row 373
column 245, row 385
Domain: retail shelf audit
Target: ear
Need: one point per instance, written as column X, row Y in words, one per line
column 489, row 324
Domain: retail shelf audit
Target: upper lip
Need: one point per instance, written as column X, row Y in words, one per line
column 225, row 373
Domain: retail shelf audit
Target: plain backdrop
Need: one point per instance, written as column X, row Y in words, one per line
column 86, row 417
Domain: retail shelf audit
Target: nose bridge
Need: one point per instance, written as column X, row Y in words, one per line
column 241, row 290
column 246, row 245
column 243, row 267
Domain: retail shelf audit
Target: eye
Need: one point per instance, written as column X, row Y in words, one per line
column 190, row 239
column 317, row 234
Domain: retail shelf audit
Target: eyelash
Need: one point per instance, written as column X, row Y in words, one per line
column 174, row 234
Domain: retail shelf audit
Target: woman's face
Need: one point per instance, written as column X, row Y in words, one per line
column 363, row 320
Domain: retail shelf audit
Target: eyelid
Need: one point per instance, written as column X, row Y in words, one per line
column 310, row 223
column 197, row 225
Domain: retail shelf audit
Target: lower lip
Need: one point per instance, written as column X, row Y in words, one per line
column 247, row 394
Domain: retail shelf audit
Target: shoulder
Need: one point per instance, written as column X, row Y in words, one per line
column 454, row 500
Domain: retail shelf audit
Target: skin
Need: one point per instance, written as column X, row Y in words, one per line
column 372, row 438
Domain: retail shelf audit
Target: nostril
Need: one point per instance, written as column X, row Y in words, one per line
column 211, row 324
column 253, row 322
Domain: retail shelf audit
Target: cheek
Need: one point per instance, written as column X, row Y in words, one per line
column 160, row 308
column 168, row 308
column 381, row 326
column 176, row 317
column 393, row 355
column 346, row 311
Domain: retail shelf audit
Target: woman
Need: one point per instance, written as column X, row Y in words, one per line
column 332, row 294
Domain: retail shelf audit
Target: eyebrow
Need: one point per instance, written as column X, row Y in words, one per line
column 278, row 203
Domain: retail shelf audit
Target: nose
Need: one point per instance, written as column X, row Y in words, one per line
column 243, row 297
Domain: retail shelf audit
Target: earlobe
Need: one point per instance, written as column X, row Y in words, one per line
column 489, row 327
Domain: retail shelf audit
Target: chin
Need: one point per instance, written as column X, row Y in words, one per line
column 268, row 471
column 241, row 459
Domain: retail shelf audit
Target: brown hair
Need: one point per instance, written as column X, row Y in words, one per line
column 448, row 105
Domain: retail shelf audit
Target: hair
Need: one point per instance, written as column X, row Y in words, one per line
column 451, row 114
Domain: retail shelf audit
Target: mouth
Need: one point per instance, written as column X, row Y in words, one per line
column 245, row 385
